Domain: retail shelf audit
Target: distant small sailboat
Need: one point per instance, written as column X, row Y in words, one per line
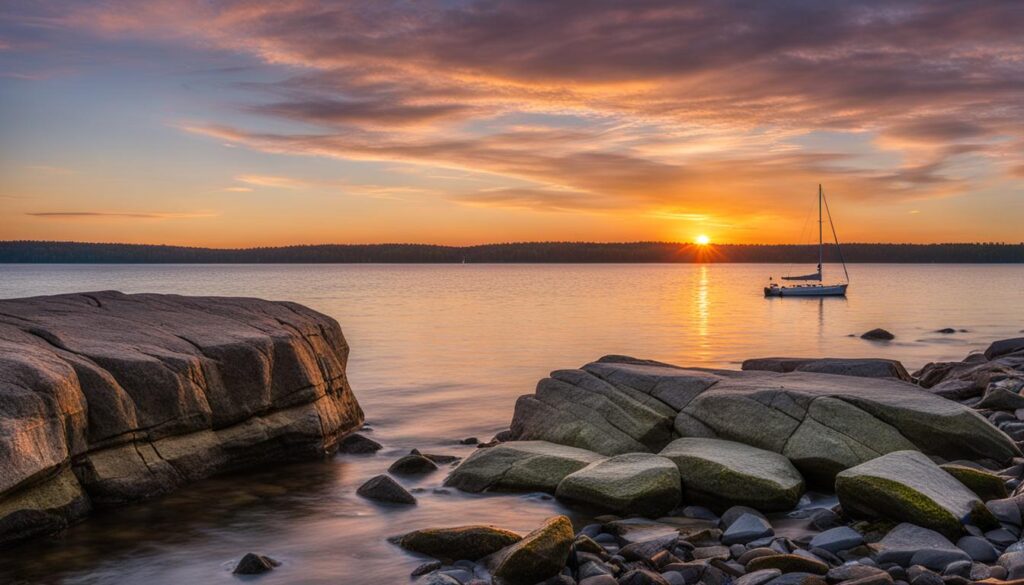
column 814, row 290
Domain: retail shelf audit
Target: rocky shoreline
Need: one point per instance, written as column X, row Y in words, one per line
column 108, row 398
column 717, row 476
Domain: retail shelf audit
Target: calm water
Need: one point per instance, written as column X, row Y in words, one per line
column 440, row 353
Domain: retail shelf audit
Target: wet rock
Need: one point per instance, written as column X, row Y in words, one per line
column 788, row 563
column 824, row 519
column 797, row 578
column 413, row 464
column 853, row 572
column 637, row 483
column 724, row 473
column 539, row 555
column 837, row 539
column 986, row 485
column 999, row 397
column 254, row 564
column 758, row 577
column 866, row 368
column 642, row 577
column 878, row 335
column 384, row 489
column 460, row 542
column 469, row 441
column 978, row 549
column 146, row 393
column 599, row 580
column 1004, row 347
column 519, row 466
column 425, row 568
column 946, row 331
column 1001, row 537
column 1013, row 563
column 357, row 444
column 906, row 544
column 747, row 528
column 907, row 486
column 645, row 550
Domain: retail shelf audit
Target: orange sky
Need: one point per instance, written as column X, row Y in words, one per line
column 250, row 123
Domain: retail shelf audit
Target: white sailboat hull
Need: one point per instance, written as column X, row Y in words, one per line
column 806, row 290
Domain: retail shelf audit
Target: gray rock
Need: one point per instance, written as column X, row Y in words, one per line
column 642, row 577
column 735, row 512
column 852, row 572
column 700, row 512
column 878, row 335
column 519, row 466
column 599, row 580
column 747, row 528
column 254, row 564
column 837, row 539
column 905, row 541
column 384, row 489
column 425, row 568
column 1001, row 537
column 958, row 569
column 460, row 542
column 1000, row 398
column 866, row 368
column 978, row 549
column 822, row 422
column 637, row 483
column 757, row 577
column 724, row 473
column 356, row 444
column 1013, row 562
column 150, row 392
column 1006, row 510
column 907, row 486
column 413, row 464
column 1004, row 347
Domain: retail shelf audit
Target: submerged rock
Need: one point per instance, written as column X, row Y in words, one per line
column 907, row 486
column 107, row 398
column 254, row 564
column 636, row 483
column 412, row 464
column 384, row 489
column 878, row 334
column 460, row 542
column 721, row 473
column 356, row 444
column 539, row 555
column 519, row 466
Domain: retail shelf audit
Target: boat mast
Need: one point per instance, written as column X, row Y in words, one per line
column 820, row 244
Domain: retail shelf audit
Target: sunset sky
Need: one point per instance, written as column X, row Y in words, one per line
column 242, row 123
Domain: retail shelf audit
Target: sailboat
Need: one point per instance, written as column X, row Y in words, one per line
column 814, row 290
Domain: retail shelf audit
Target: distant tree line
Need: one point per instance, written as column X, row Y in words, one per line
column 540, row 252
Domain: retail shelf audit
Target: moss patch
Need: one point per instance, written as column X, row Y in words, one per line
column 876, row 497
column 988, row 486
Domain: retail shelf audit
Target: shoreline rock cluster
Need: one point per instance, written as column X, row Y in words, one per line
column 107, row 398
column 704, row 476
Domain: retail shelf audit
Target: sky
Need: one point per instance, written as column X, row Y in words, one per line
column 256, row 123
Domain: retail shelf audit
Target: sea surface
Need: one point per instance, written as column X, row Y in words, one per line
column 440, row 353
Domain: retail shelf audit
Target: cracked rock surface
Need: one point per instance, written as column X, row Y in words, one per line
column 107, row 398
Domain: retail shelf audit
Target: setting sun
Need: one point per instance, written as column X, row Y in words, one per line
column 703, row 240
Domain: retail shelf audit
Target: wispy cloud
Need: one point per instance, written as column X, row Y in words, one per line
column 85, row 215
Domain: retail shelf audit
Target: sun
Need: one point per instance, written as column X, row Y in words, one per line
column 703, row 240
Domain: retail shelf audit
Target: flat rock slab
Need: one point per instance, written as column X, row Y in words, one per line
column 862, row 367
column 146, row 392
column 907, row 486
column 822, row 422
column 724, row 473
column 636, row 483
column 519, row 466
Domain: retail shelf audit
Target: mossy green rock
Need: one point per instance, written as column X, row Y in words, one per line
column 460, row 542
column 721, row 474
column 635, row 483
column 987, row 485
column 519, row 466
column 539, row 555
column 906, row 486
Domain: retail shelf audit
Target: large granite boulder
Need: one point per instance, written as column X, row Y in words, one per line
column 823, row 422
column 519, row 466
column 906, row 486
column 863, row 367
column 721, row 474
column 108, row 398
column 635, row 483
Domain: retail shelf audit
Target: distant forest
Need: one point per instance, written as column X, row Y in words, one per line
column 550, row 252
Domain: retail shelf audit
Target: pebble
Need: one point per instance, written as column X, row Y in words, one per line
column 425, row 568
column 758, row 577
column 978, row 549
column 836, row 539
column 711, row 552
column 746, row 528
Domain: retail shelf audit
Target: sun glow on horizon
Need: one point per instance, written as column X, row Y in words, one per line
column 703, row 240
